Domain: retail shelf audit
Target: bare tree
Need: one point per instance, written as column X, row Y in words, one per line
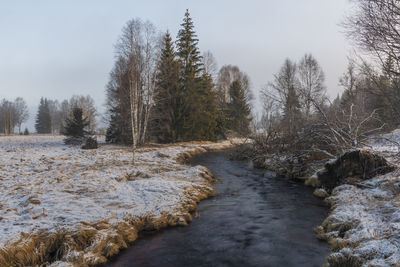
column 210, row 64
column 228, row 74
column 63, row 113
column 349, row 80
column 311, row 78
column 54, row 111
column 346, row 129
column 7, row 113
column 21, row 112
column 375, row 27
column 138, row 47
column 284, row 91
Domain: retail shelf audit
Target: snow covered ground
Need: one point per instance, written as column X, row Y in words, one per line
column 63, row 203
column 387, row 145
column 364, row 224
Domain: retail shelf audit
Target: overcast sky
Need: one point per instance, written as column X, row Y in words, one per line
column 60, row 48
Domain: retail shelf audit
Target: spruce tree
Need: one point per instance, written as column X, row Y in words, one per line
column 205, row 117
column 238, row 110
column 188, row 51
column 43, row 120
column 75, row 127
column 195, row 121
column 166, row 113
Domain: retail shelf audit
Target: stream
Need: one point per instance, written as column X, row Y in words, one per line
column 253, row 220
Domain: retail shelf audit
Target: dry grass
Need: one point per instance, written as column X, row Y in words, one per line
column 94, row 243
column 32, row 250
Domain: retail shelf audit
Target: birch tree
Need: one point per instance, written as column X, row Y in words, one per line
column 54, row 107
column 21, row 112
column 138, row 48
column 7, row 116
column 312, row 88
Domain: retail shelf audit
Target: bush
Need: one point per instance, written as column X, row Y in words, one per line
column 90, row 143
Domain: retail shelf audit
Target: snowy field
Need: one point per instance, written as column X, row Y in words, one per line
column 364, row 225
column 84, row 205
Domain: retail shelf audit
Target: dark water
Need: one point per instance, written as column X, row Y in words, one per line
column 252, row 221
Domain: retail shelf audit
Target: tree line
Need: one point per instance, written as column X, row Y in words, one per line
column 52, row 115
column 166, row 91
column 12, row 115
column 297, row 114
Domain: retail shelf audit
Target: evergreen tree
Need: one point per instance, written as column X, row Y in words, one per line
column 188, row 51
column 238, row 109
column 43, row 120
column 195, row 88
column 75, row 127
column 118, row 106
column 166, row 113
column 205, row 117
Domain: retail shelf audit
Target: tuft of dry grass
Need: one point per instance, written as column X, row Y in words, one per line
column 33, row 250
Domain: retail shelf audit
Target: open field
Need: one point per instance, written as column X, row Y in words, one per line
column 65, row 204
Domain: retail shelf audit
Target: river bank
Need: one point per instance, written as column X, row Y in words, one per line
column 363, row 225
column 61, row 205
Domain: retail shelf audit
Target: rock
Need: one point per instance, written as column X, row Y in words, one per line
column 298, row 166
column 320, row 192
column 313, row 181
column 354, row 163
column 90, row 143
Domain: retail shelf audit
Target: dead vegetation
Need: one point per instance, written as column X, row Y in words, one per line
column 354, row 163
column 91, row 243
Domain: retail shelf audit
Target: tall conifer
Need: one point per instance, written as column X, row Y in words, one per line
column 195, row 88
column 43, row 122
column 238, row 109
column 166, row 113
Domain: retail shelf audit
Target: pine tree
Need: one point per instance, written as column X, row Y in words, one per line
column 43, row 120
column 238, row 109
column 195, row 88
column 167, row 100
column 75, row 127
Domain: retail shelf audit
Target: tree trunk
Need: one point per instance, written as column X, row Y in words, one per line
column 133, row 117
